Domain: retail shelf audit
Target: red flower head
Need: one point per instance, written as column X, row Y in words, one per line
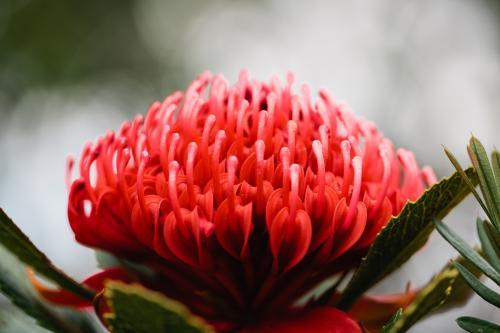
column 250, row 193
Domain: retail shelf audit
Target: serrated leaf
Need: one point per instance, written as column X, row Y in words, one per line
column 405, row 234
column 465, row 250
column 16, row 242
column 487, row 181
column 390, row 324
column 136, row 309
column 476, row 325
column 430, row 297
column 15, row 286
column 490, row 242
column 484, row 292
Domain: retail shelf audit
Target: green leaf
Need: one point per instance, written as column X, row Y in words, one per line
column 468, row 181
column 390, row 324
column 405, row 234
column 430, row 297
column 15, row 286
column 486, row 293
column 13, row 320
column 476, row 325
column 19, row 244
column 465, row 250
column 487, row 182
column 495, row 161
column 32, row 307
column 136, row 309
column 490, row 242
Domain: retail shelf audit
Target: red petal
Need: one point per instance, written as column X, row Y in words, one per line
column 247, row 170
column 113, row 236
column 382, row 217
column 142, row 225
column 320, row 320
column 290, row 240
column 322, row 224
column 273, row 206
column 233, row 233
column 350, row 236
column 185, row 238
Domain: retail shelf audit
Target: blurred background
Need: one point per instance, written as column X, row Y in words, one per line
column 428, row 72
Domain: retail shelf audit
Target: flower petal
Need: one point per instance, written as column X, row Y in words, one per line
column 290, row 239
column 233, row 229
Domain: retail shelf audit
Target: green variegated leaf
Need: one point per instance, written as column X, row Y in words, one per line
column 17, row 243
column 136, row 309
column 460, row 290
column 476, row 325
column 434, row 294
column 405, row 234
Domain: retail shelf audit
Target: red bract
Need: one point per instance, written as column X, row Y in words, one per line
column 249, row 194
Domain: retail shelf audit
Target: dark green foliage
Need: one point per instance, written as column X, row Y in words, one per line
column 488, row 232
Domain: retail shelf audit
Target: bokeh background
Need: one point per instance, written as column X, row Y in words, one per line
column 428, row 72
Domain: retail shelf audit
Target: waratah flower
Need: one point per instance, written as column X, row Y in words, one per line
column 243, row 198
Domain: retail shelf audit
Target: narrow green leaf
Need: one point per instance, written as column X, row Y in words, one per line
column 487, row 182
column 405, row 234
column 476, row 325
column 490, row 242
column 390, row 324
column 15, row 286
column 469, row 183
column 495, row 161
column 431, row 297
column 19, row 244
column 136, row 309
column 486, row 293
column 465, row 250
